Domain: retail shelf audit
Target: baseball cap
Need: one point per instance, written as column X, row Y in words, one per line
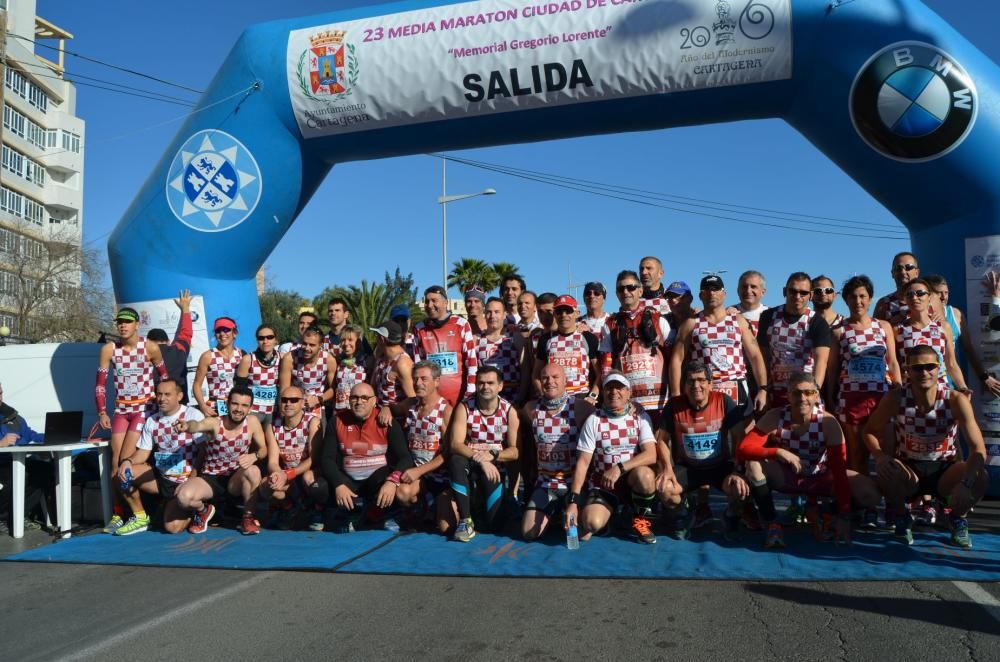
column 595, row 286
column 679, row 288
column 391, row 331
column 565, row 301
column 157, row 335
column 616, row 377
column 712, row 282
column 399, row 310
column 127, row 315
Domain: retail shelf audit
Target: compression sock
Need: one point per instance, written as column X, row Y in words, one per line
column 762, row 496
column 642, row 503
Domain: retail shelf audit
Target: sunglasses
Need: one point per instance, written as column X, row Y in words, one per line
column 360, row 398
column 629, row 288
column 712, row 288
column 797, row 293
column 291, row 401
column 270, row 337
column 909, row 266
column 593, row 293
column 565, row 311
column 805, row 391
column 224, row 329
column 923, row 367
column 823, row 290
column 917, row 294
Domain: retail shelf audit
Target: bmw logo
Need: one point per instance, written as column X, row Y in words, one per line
column 913, row 102
column 214, row 182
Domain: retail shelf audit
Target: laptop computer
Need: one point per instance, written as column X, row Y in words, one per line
column 63, row 427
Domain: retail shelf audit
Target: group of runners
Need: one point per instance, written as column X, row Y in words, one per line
column 533, row 408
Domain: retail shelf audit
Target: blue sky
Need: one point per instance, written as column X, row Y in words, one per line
column 546, row 230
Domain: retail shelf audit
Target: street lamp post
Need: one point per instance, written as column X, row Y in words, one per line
column 443, row 200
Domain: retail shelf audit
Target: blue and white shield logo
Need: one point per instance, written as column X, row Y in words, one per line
column 214, row 182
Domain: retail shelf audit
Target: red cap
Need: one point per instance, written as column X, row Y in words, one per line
column 565, row 301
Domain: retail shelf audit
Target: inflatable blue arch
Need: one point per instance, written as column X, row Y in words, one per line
column 885, row 88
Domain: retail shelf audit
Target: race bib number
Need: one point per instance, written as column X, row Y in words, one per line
column 732, row 389
column 638, row 365
column 447, row 361
column 557, row 456
column 171, row 465
column 265, row 394
column 701, row 446
column 928, row 448
column 866, row 369
column 221, row 408
column 130, row 382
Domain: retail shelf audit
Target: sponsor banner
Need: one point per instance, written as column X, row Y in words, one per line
column 982, row 254
column 493, row 56
column 164, row 314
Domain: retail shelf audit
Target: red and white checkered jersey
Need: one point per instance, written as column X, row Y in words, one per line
column 933, row 335
column 791, row 348
column 221, row 372
column 927, row 435
column 425, row 433
column 486, row 432
column 502, row 355
column 719, row 346
column 752, row 316
column 613, row 440
column 595, row 324
column 895, row 308
column 222, row 453
column 293, row 442
column 556, row 432
column 387, row 392
column 133, row 375
column 452, row 346
column 264, row 383
column 809, row 443
column 659, row 304
column 173, row 453
column 348, row 376
column 572, row 353
column 311, row 378
column 863, row 360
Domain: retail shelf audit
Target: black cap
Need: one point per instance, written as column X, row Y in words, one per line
column 158, row 335
column 391, row 331
column 595, row 286
column 712, row 282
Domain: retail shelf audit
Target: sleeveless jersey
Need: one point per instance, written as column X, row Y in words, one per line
column 264, row 384
column 221, row 372
column 486, row 432
column 174, row 452
column 572, row 353
column 697, row 437
column 929, row 436
column 222, row 454
column 555, row 444
column 932, row 335
column 863, row 360
column 894, row 306
column 310, row 378
column 424, row 435
column 595, row 324
column 752, row 317
column 348, row 376
column 719, row 346
column 363, row 446
column 293, row 443
column 617, row 441
column 502, row 355
column 387, row 392
column 453, row 348
column 791, row 348
column 659, row 304
column 809, row 445
column 133, row 373
column 643, row 366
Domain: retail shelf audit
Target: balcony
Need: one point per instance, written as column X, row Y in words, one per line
column 62, row 198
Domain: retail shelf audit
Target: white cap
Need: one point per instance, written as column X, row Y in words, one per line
column 617, row 377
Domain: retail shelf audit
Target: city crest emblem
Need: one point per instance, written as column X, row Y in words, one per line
column 214, row 182
column 328, row 69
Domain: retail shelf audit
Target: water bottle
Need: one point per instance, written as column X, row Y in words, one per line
column 127, row 481
column 572, row 537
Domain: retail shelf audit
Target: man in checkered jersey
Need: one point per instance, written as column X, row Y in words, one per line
column 920, row 455
column 227, row 463
column 619, row 439
column 483, row 434
column 799, row 449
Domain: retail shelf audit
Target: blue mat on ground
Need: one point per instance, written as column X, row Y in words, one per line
column 216, row 548
column 871, row 557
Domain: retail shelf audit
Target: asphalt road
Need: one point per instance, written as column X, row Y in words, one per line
column 89, row 612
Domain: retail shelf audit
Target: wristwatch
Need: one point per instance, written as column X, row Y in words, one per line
column 572, row 497
column 621, row 468
column 495, row 453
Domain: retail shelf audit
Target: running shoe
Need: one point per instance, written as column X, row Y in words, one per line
column 960, row 533
column 869, row 520
column 926, row 515
column 135, row 524
column 642, row 528
column 201, row 518
column 795, row 513
column 702, row 516
column 465, row 531
column 682, row 524
column 904, row 529
column 249, row 526
column 889, row 524
column 116, row 523
column 751, row 519
column 775, row 536
column 316, row 520
column 391, row 525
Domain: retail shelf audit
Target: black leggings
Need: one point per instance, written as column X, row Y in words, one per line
column 466, row 478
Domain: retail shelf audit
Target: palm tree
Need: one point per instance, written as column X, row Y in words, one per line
column 470, row 271
column 504, row 269
column 369, row 305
